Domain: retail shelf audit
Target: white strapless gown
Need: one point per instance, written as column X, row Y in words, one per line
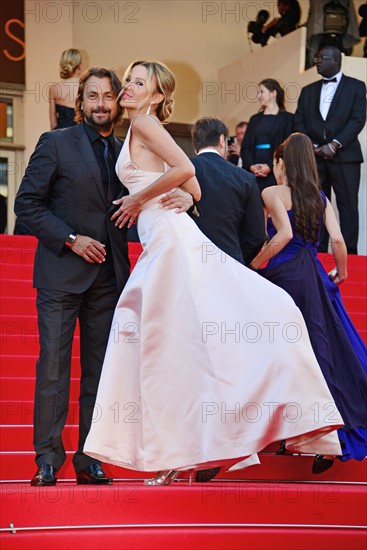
column 207, row 361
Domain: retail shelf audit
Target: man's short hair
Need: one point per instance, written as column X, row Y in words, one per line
column 207, row 131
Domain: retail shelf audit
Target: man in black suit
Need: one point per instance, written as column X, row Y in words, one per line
column 332, row 112
column 231, row 210
column 81, row 265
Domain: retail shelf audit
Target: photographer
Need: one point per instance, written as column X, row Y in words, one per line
column 319, row 33
column 290, row 14
column 234, row 144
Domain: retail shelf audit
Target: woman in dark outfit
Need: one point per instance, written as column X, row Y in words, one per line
column 265, row 132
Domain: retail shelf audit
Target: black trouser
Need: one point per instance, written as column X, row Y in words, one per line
column 344, row 179
column 57, row 314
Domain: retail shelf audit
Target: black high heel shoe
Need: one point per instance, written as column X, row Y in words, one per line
column 321, row 464
column 203, row 476
column 283, row 449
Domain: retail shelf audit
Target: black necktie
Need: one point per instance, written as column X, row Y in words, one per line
column 326, row 81
column 108, row 163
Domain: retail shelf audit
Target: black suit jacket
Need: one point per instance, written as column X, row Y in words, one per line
column 62, row 193
column 232, row 215
column 345, row 119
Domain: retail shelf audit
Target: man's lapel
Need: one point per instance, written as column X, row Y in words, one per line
column 336, row 97
column 93, row 172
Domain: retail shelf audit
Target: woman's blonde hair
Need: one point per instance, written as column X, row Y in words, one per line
column 69, row 62
column 166, row 84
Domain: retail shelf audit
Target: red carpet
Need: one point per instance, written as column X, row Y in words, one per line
column 276, row 505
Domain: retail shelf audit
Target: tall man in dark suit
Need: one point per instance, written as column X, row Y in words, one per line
column 81, row 264
column 332, row 112
column 231, row 210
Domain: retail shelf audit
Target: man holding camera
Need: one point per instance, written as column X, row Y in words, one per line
column 290, row 14
column 234, row 144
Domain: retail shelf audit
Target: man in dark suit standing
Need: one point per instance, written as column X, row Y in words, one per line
column 332, row 112
column 81, row 264
column 231, row 210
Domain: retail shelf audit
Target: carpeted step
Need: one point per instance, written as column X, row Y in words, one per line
column 274, row 505
column 21, row 324
column 17, row 287
column 354, row 288
column 17, row 249
column 20, row 466
column 355, row 304
column 23, row 388
column 15, row 437
column 25, row 365
column 131, row 503
column 25, row 343
column 18, row 305
column 142, row 536
column 14, row 412
column 16, row 271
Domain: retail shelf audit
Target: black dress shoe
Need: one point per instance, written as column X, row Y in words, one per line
column 45, row 476
column 321, row 464
column 93, row 475
column 202, row 476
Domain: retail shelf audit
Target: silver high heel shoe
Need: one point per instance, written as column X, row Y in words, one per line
column 165, row 477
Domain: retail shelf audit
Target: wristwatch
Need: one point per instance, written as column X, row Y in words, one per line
column 70, row 240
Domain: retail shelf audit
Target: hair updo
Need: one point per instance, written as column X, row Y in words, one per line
column 69, row 62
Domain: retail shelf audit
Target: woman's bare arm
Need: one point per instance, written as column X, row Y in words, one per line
column 275, row 207
column 156, row 140
column 52, row 107
column 337, row 243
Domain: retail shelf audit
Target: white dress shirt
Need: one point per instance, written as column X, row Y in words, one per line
column 327, row 94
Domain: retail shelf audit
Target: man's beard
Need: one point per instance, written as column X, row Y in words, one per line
column 106, row 126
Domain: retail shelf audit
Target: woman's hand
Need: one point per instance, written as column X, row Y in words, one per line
column 339, row 280
column 128, row 211
column 263, row 170
column 260, row 170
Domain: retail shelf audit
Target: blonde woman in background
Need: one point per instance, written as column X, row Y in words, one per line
column 62, row 94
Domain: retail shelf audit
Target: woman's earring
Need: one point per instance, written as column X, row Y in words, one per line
column 150, row 104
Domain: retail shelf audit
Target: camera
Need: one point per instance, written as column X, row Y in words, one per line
column 231, row 140
column 255, row 27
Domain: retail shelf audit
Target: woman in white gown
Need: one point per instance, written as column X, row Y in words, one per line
column 207, row 362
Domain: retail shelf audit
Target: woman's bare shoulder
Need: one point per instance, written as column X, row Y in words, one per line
column 143, row 122
column 276, row 194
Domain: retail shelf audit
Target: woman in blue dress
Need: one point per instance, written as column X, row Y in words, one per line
column 295, row 209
